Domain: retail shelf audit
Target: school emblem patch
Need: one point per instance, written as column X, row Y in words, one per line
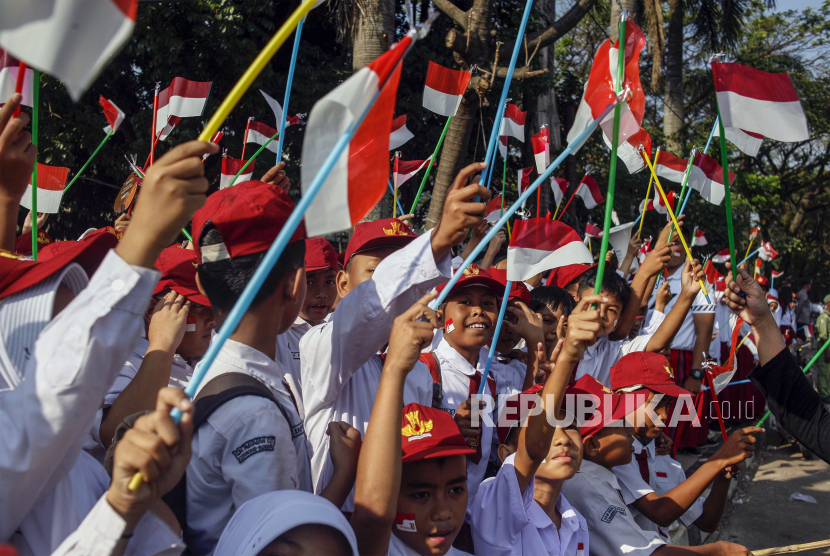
column 416, row 429
column 611, row 513
column 397, row 229
column 471, row 270
column 668, row 369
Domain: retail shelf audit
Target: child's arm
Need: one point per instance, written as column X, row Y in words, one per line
column 634, row 245
column 529, row 327
column 344, row 449
column 654, row 263
column 535, row 438
column 663, row 297
column 716, row 501
column 17, row 159
column 379, row 465
column 665, row 333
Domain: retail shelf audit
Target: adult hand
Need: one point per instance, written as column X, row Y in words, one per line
column 753, row 307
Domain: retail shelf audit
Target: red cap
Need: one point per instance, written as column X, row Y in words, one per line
column 514, row 412
column 518, row 290
column 610, row 407
column 178, row 273
column 105, row 230
column 17, row 274
column 389, row 232
column 341, row 259
column 23, row 243
column 248, row 216
column 427, row 433
column 474, row 276
column 649, row 370
column 319, row 255
column 564, row 275
column 762, row 280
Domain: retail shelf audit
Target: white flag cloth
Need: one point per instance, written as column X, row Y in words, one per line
column 540, row 244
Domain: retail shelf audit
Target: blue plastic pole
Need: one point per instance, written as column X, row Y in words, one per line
column 749, row 256
column 494, row 133
column 273, row 254
column 706, row 148
column 517, row 204
column 638, row 218
column 495, row 339
column 297, row 34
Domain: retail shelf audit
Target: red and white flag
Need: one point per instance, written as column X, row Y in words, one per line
column 659, row 205
column 260, row 134
column 493, row 210
column 9, row 67
column 541, row 149
column 722, row 256
column 645, row 249
column 503, row 146
column 747, row 142
column 444, row 89
column 182, row 99
column 631, row 150
column 706, row 177
column 767, row 252
column 230, row 166
column 719, row 376
column 599, row 90
column 408, row 168
column 588, row 191
column 112, row 113
column 753, row 233
column 513, row 123
column 592, row 230
column 759, row 102
column 50, row 183
column 540, row 244
column 361, row 174
column 400, row 133
column 670, row 167
column 699, row 239
column 191, row 324
column 712, row 274
column 559, row 186
column 74, row 41
column 776, row 274
column 524, row 179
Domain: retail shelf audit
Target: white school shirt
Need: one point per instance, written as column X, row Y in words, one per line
column 507, row 522
column 75, row 519
column 595, row 492
column 455, row 377
column 665, row 473
column 244, row 449
column 788, row 318
column 512, row 372
column 398, row 548
column 604, row 354
column 76, row 359
column 288, row 355
column 340, row 359
column 657, row 318
column 685, row 337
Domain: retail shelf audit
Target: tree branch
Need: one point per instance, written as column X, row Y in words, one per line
column 556, row 31
column 454, row 12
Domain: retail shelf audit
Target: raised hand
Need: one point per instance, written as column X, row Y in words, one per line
column 584, row 324
column 411, row 334
column 277, row 176
column 752, row 307
column 739, row 446
column 168, row 322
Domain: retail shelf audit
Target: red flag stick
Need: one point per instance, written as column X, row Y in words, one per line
column 18, row 87
column 538, row 200
column 717, row 406
column 568, row 203
column 153, row 138
column 245, row 140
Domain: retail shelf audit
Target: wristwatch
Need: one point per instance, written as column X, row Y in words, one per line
column 696, row 374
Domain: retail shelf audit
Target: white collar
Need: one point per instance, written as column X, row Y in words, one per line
column 252, row 362
column 457, row 362
column 649, row 448
column 599, row 472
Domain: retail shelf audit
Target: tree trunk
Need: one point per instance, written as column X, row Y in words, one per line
column 673, row 109
column 630, row 6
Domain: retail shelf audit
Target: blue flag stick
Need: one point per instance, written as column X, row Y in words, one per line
column 297, row 34
column 495, row 339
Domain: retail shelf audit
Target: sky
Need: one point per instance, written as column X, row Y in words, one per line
column 783, row 5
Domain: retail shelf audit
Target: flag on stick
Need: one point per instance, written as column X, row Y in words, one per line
column 182, row 99
column 722, row 256
column 9, row 66
column 588, row 191
column 261, row 134
column 767, row 253
column 50, row 183
column 699, row 239
column 112, row 113
column 747, row 142
column 493, row 209
column 408, row 168
column 592, row 230
column 559, row 186
column 513, row 123
column 540, row 244
column 541, row 149
column 444, row 89
column 400, row 134
column 230, row 167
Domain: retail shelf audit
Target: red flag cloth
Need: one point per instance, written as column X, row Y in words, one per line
column 400, row 133
column 722, row 256
column 112, row 113
column 444, row 89
column 513, row 123
column 767, row 252
column 541, row 149
column 360, row 176
column 493, row 209
column 754, row 233
column 408, row 168
column 50, row 183
column 588, row 191
column 9, row 66
column 706, row 177
column 776, row 273
column 559, row 186
column 182, row 99
column 699, row 239
column 260, row 134
column 592, row 230
column 540, row 244
column 230, row 166
column 524, row 179
column 719, row 376
column 659, row 205
column 670, row 167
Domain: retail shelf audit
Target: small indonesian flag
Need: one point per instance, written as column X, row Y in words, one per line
column 615, row 218
column 599, row 90
column 645, row 249
column 444, row 89
column 588, row 191
column 112, row 113
column 711, row 273
column 592, row 230
column 759, row 102
column 260, row 134
column 513, row 123
column 191, row 324
column 747, row 142
column 405, row 522
column 754, row 233
column 699, row 239
column 659, row 205
column 767, row 253
column 524, row 179
column 230, row 166
column 559, row 186
column 631, row 150
column 670, row 167
column 758, row 264
column 706, row 177
column 540, row 244
column 9, row 67
column 215, row 139
column 580, row 549
column 776, row 273
column 541, row 149
column 503, row 146
column 722, row 256
column 182, row 99
column 719, row 376
column 493, row 209
column 449, row 326
column 400, row 134
column 73, row 41
column 408, row 168
column 361, row 174
column 50, row 183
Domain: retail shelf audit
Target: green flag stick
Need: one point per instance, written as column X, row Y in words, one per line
column 252, row 158
column 141, row 175
column 612, row 172
column 35, row 100
column 431, row 163
column 728, row 196
column 807, row 368
column 81, row 171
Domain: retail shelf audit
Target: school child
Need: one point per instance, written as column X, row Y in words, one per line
column 411, row 489
column 387, row 269
column 553, row 304
column 321, row 291
column 655, row 487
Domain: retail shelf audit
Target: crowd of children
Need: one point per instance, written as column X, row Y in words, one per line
column 344, row 416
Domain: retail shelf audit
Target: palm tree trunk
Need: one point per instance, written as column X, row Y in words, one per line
column 630, row 6
column 673, row 109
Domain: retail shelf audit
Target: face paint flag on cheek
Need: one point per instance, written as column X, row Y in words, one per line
column 191, row 324
column 405, row 522
column 450, row 326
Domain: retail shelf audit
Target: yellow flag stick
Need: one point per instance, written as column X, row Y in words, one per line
column 254, row 70
column 748, row 247
column 673, row 219
column 648, row 196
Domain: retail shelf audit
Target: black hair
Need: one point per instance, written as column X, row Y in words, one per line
column 552, row 297
column 613, row 284
column 223, row 281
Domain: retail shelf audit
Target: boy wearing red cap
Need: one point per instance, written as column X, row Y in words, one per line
column 387, row 269
column 411, row 489
column 654, row 487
